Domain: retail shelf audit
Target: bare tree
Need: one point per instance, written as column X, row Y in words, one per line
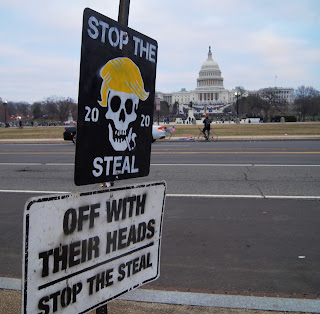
column 315, row 107
column 74, row 111
column 277, row 105
column 307, row 101
column 50, row 108
column 255, row 106
column 23, row 109
column 64, row 106
column 36, row 109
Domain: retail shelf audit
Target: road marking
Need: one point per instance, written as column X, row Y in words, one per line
column 173, row 145
column 235, row 165
column 204, row 299
column 33, row 192
column 34, row 164
column 257, row 196
column 245, row 153
column 36, row 153
column 172, row 153
column 174, row 165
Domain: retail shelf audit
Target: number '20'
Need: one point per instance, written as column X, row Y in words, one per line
column 145, row 120
column 92, row 114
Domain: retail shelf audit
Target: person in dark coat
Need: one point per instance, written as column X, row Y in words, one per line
column 207, row 121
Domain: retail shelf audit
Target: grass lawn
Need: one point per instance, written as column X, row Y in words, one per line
column 252, row 129
column 294, row 128
column 38, row 132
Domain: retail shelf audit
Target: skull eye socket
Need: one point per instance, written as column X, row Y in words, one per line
column 129, row 106
column 115, row 103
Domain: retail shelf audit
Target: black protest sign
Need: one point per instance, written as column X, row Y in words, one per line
column 82, row 250
column 116, row 101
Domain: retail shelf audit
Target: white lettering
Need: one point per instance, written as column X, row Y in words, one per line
column 144, row 49
column 126, row 165
column 117, row 164
column 133, row 169
column 116, row 31
column 104, row 27
column 124, row 39
column 97, row 165
column 114, row 36
column 148, row 50
column 114, row 165
column 92, row 20
column 108, row 159
column 119, row 38
column 152, row 53
column 136, row 43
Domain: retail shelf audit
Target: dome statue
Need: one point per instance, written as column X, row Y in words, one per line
column 210, row 63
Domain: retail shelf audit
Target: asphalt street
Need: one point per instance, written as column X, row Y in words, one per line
column 240, row 216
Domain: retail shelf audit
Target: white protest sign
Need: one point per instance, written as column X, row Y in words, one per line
column 82, row 250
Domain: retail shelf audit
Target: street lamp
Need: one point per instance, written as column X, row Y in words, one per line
column 237, row 94
column 5, row 103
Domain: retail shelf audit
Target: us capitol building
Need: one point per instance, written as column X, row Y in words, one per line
column 210, row 95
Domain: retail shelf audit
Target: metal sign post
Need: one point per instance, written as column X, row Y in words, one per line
column 123, row 18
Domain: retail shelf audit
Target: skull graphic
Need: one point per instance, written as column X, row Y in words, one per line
column 121, row 90
column 121, row 112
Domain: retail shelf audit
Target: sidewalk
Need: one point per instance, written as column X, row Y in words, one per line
column 34, row 140
column 10, row 303
column 220, row 138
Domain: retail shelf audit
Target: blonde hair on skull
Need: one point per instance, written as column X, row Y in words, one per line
column 121, row 75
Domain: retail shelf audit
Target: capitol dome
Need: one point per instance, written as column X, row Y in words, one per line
column 210, row 83
column 210, row 74
column 210, row 63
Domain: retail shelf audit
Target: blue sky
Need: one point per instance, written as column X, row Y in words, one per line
column 253, row 41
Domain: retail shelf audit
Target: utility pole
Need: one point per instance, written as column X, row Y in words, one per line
column 5, row 103
column 123, row 18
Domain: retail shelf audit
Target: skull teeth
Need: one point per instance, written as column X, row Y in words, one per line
column 121, row 132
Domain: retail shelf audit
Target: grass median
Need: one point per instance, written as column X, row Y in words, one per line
column 261, row 129
column 258, row 129
column 39, row 132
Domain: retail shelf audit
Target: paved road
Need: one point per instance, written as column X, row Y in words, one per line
column 224, row 227
column 239, row 168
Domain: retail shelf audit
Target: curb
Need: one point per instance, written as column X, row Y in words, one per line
column 204, row 299
column 252, row 138
column 175, row 139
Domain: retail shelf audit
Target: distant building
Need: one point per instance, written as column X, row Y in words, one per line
column 182, row 97
column 165, row 97
column 210, row 94
column 281, row 92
